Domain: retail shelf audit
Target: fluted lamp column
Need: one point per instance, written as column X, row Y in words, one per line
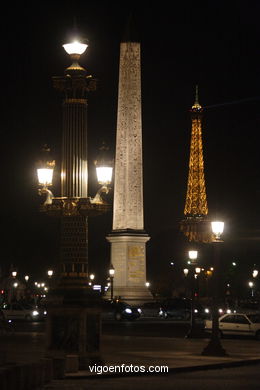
column 73, row 324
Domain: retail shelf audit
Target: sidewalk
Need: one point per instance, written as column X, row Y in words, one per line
column 179, row 354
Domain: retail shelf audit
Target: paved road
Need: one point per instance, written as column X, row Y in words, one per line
column 241, row 378
column 151, row 327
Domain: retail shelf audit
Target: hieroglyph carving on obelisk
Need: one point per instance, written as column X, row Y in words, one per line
column 128, row 198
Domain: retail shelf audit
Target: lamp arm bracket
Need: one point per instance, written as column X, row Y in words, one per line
column 98, row 198
column 48, row 193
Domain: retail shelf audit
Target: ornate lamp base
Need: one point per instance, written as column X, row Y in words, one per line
column 214, row 348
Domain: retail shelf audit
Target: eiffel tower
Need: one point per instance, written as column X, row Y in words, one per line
column 195, row 225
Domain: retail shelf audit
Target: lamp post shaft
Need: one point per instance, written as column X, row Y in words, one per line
column 214, row 348
column 112, row 288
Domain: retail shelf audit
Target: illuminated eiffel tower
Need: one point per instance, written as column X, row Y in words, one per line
column 195, row 225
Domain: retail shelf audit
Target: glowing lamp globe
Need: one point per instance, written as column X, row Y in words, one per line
column 45, row 176
column 104, row 174
column 217, row 228
column 193, row 255
column 75, row 47
column 111, row 271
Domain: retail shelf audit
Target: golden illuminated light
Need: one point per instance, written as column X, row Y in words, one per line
column 91, row 276
column 197, row 270
column 75, row 47
column 147, row 284
column 14, row 274
column 193, row 255
column 50, row 272
column 104, row 175
column 255, row 273
column 250, row 284
column 45, row 176
column 217, row 228
column 26, row 278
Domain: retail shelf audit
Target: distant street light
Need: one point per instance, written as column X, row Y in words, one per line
column 214, row 348
column 251, row 285
column 91, row 276
column 14, row 274
column 147, row 284
column 255, row 273
column 186, row 271
column 50, row 273
column 193, row 255
column 26, row 278
column 111, row 275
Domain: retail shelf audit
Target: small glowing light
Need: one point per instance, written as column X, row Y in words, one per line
column 139, row 310
column 234, row 264
column 128, row 310
column 217, row 228
column 147, row 284
column 211, row 269
column 111, row 271
column 197, row 270
column 220, row 310
column 250, row 284
column 228, row 311
column 196, row 311
column 255, row 273
column 45, row 176
column 91, row 276
column 104, row 175
column 14, row 274
column 42, row 284
column 193, row 255
column 75, row 47
column 206, row 310
column 26, row 278
column 15, row 285
column 35, row 313
column 185, row 271
column 50, row 272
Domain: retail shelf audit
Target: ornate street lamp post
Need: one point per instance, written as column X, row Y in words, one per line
column 214, row 348
column 73, row 322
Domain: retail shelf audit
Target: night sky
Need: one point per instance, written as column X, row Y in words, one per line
column 212, row 44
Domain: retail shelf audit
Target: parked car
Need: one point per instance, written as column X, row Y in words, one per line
column 151, row 309
column 119, row 310
column 237, row 324
column 16, row 311
column 179, row 309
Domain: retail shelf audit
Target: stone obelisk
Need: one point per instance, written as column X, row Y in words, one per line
column 128, row 238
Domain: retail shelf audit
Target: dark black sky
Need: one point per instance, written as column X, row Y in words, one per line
column 213, row 44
